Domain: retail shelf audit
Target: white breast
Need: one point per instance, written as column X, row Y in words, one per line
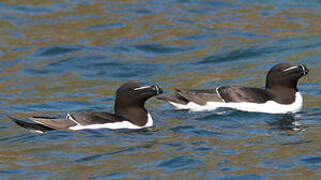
column 115, row 125
column 267, row 107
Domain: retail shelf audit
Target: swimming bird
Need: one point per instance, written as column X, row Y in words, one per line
column 280, row 95
column 130, row 113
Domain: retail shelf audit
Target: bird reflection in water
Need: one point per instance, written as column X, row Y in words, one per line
column 287, row 122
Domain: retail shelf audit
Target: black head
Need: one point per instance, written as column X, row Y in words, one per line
column 132, row 94
column 285, row 75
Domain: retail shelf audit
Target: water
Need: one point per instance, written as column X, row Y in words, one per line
column 62, row 56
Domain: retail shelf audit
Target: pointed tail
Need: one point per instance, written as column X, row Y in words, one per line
column 31, row 126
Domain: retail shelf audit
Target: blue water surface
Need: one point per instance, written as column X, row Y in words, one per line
column 71, row 56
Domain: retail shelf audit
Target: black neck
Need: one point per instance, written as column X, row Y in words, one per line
column 283, row 94
column 286, row 84
column 135, row 114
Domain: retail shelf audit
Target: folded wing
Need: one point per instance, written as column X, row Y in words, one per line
column 244, row 94
column 201, row 96
column 88, row 118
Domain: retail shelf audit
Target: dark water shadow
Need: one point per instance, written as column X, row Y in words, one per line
column 239, row 119
column 285, row 122
column 246, row 53
column 282, row 122
column 180, row 163
column 56, row 51
column 99, row 156
column 314, row 160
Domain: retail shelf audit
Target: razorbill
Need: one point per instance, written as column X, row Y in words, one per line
column 130, row 113
column 280, row 95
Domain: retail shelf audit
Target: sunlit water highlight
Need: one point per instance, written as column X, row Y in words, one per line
column 62, row 56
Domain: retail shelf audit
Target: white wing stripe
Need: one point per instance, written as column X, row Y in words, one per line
column 290, row 68
column 139, row 88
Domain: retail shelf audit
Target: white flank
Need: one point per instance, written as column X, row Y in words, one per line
column 115, row 125
column 271, row 107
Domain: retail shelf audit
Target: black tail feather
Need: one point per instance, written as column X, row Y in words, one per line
column 32, row 126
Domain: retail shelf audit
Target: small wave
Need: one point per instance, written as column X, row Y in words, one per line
column 99, row 156
column 180, row 163
column 158, row 48
column 312, row 160
column 57, row 51
column 250, row 52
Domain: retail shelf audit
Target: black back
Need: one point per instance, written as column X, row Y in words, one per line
column 87, row 118
column 244, row 94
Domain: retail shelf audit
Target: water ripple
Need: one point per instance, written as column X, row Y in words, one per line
column 180, row 163
column 313, row 160
column 157, row 48
column 247, row 53
column 56, row 51
column 99, row 156
column 72, row 55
